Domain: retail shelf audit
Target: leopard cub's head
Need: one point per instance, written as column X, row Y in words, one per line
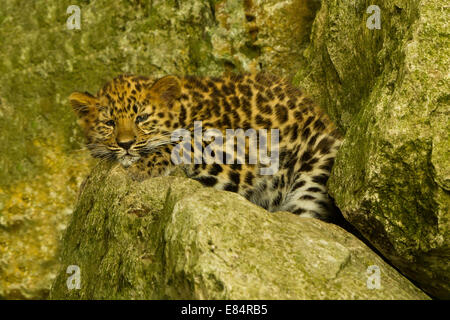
column 129, row 117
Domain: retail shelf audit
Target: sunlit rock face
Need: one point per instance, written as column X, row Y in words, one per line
column 388, row 89
column 171, row 238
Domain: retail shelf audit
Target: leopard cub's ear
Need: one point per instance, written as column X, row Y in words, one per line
column 82, row 103
column 166, row 89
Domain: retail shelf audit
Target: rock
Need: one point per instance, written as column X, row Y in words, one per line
column 171, row 238
column 269, row 33
column 388, row 89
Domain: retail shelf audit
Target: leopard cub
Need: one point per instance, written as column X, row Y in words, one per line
column 134, row 119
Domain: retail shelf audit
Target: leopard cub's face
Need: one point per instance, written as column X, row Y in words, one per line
column 129, row 118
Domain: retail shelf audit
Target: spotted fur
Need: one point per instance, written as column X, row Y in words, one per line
column 131, row 119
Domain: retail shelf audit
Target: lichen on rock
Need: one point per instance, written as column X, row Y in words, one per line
column 171, row 238
column 388, row 89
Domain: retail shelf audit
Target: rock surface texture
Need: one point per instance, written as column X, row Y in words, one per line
column 171, row 238
column 389, row 90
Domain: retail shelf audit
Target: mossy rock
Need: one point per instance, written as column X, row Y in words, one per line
column 388, row 89
column 171, row 238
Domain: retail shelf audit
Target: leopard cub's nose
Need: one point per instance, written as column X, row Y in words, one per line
column 126, row 144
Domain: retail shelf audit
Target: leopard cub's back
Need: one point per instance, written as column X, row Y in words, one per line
column 308, row 141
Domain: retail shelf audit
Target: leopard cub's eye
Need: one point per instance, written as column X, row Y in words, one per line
column 110, row 123
column 141, row 118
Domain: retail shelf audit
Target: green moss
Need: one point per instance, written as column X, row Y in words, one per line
column 171, row 238
column 383, row 88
